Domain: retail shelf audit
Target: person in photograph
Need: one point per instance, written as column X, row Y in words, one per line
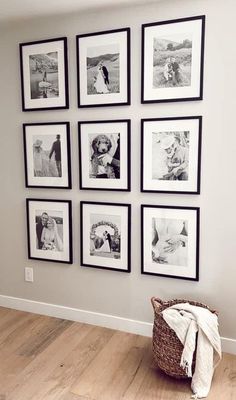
column 42, row 222
column 169, row 241
column 38, row 154
column 56, row 149
column 50, row 237
column 175, row 72
column 101, row 79
column 106, row 246
column 105, row 159
column 168, row 71
column 177, row 158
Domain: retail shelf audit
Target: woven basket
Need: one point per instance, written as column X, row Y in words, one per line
column 167, row 348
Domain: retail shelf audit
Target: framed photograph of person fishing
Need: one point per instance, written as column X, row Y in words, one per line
column 49, row 229
column 105, row 235
column 170, row 241
column 104, row 155
column 44, row 75
column 47, row 155
column 171, row 155
column 173, row 60
column 103, row 68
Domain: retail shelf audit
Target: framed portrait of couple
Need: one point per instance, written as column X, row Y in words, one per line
column 171, row 155
column 105, row 235
column 49, row 228
column 173, row 60
column 103, row 68
column 104, row 155
column 47, row 155
column 170, row 241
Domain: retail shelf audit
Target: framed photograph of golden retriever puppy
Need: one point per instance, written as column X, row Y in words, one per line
column 104, row 155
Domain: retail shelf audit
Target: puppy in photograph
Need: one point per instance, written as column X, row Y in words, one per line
column 105, row 158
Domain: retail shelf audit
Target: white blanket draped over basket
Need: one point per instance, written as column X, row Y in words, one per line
column 186, row 321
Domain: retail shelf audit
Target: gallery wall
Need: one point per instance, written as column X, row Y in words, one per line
column 110, row 292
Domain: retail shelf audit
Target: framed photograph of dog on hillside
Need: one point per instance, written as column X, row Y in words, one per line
column 104, row 155
column 47, row 155
column 171, row 155
column 170, row 241
column 105, row 235
column 173, row 60
column 44, row 75
column 103, row 68
column 49, row 228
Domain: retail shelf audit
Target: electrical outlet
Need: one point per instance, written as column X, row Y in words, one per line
column 29, row 274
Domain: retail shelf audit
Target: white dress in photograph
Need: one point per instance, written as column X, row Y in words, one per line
column 105, row 248
column 99, row 84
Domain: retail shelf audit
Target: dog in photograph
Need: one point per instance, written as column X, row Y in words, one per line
column 101, row 145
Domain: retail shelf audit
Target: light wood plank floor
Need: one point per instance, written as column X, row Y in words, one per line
column 44, row 358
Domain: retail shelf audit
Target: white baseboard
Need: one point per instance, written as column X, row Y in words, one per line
column 93, row 318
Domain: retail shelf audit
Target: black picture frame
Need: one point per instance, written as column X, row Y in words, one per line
column 197, row 189
column 65, row 103
column 67, row 153
column 179, row 209
column 127, row 186
column 127, row 101
column 68, row 259
column 106, row 205
column 144, row 98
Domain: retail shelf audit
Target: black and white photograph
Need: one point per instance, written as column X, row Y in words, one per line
column 104, row 154
column 170, row 241
column 44, row 73
column 171, row 155
column 103, row 69
column 47, row 155
column 49, row 230
column 105, row 238
column 104, row 59
column 172, row 60
column 105, row 235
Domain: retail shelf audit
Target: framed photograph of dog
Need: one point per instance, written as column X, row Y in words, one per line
column 173, row 60
column 104, row 155
column 44, row 75
column 170, row 241
column 103, row 65
column 47, row 155
column 49, row 228
column 105, row 235
column 171, row 155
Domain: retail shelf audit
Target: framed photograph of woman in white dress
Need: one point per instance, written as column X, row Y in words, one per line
column 105, row 235
column 103, row 68
column 173, row 60
column 44, row 75
column 49, row 228
column 170, row 241
column 47, row 155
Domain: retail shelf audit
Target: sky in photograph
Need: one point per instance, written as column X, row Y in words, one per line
column 100, row 50
column 178, row 37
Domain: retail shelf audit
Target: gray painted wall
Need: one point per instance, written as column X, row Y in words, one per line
column 126, row 295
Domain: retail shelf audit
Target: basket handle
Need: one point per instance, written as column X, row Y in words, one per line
column 156, row 303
